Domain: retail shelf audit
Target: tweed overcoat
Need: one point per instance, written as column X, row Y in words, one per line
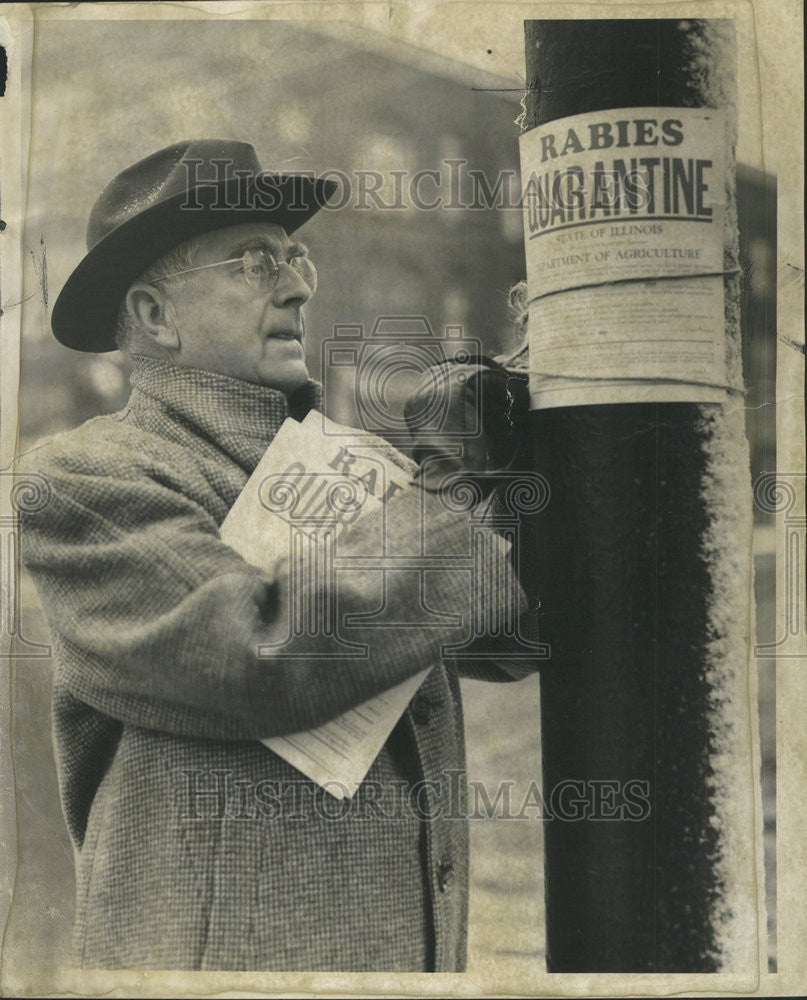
column 197, row 847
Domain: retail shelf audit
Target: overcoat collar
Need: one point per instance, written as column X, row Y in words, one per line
column 239, row 417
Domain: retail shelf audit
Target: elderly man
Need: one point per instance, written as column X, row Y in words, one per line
column 197, row 847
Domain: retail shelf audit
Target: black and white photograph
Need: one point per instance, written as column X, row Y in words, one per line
column 403, row 499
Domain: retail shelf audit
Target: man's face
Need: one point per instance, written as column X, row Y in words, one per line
column 229, row 327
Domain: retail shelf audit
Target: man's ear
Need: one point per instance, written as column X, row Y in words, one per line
column 153, row 311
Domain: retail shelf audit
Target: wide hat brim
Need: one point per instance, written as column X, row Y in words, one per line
column 85, row 313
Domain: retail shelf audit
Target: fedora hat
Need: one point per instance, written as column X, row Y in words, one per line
column 174, row 195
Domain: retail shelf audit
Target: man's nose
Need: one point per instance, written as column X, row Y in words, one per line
column 290, row 288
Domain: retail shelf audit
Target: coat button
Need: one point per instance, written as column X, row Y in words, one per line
column 445, row 875
column 423, row 709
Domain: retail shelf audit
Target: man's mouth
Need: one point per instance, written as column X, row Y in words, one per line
column 285, row 335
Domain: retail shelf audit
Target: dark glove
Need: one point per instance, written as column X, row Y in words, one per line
column 467, row 419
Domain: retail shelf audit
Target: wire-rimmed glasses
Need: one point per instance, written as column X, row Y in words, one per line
column 260, row 269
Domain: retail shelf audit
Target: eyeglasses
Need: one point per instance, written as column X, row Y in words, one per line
column 260, row 269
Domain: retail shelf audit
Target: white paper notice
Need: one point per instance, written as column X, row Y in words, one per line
column 339, row 754
column 617, row 203
column 304, row 471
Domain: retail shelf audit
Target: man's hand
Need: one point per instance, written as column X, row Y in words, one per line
column 466, row 418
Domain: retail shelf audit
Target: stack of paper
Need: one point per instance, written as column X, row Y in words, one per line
column 314, row 480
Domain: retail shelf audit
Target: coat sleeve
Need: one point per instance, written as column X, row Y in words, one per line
column 159, row 624
column 505, row 658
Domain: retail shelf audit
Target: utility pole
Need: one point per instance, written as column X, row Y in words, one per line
column 645, row 556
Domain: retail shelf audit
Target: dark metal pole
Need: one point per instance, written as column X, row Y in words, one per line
column 636, row 552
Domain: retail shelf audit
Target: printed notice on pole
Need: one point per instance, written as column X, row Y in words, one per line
column 623, row 228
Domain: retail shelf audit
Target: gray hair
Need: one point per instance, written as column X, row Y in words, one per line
column 128, row 332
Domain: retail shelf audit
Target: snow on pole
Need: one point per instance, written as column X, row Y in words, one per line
column 645, row 549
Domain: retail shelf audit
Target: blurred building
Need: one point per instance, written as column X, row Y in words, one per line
column 756, row 204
